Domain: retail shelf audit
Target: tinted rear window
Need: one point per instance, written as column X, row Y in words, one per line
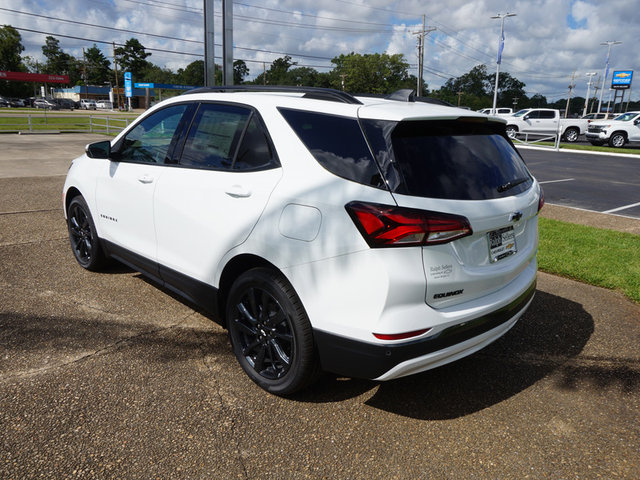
column 449, row 159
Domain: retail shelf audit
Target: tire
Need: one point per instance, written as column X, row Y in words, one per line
column 83, row 236
column 617, row 140
column 512, row 131
column 270, row 332
column 571, row 134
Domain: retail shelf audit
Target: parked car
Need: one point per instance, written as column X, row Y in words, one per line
column 104, row 104
column 499, row 112
column 45, row 103
column 65, row 103
column 87, row 104
column 368, row 237
column 617, row 132
column 4, row 102
column 16, row 103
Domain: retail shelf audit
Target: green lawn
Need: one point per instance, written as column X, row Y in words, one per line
column 58, row 121
column 595, row 256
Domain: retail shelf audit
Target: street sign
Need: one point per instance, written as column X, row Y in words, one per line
column 128, row 85
column 621, row 79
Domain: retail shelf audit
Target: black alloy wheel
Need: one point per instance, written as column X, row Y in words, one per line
column 82, row 235
column 270, row 332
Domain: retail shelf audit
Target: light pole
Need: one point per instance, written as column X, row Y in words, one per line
column 609, row 43
column 501, row 16
column 586, row 99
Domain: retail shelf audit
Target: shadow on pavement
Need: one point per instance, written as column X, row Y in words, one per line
column 545, row 342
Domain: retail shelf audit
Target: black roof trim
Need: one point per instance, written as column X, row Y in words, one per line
column 407, row 95
column 309, row 92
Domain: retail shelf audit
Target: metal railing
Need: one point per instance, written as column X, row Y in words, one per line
column 53, row 124
column 538, row 138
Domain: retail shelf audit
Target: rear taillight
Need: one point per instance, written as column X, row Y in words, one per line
column 541, row 200
column 388, row 226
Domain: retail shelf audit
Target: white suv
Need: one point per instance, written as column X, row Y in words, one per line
column 367, row 237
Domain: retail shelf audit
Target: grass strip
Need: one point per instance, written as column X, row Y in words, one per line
column 596, row 256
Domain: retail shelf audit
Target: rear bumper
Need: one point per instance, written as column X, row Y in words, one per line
column 357, row 359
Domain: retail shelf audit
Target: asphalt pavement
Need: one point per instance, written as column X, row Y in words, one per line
column 105, row 375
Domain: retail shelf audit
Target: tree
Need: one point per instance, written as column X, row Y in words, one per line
column 371, row 73
column 10, row 49
column 97, row 69
column 132, row 58
column 240, row 70
column 192, row 74
column 58, row 62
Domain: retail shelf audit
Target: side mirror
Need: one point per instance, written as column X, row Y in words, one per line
column 636, row 121
column 526, row 117
column 98, row 149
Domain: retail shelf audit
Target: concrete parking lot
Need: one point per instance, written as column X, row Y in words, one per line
column 104, row 375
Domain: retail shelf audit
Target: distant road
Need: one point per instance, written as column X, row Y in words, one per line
column 600, row 183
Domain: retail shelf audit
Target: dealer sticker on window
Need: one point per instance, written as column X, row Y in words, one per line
column 502, row 243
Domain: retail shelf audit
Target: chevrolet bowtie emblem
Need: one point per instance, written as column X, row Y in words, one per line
column 515, row 216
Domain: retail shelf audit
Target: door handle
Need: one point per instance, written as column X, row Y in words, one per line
column 145, row 179
column 238, row 191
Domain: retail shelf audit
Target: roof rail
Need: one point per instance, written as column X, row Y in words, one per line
column 317, row 93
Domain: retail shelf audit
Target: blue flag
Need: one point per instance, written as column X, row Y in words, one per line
column 500, row 49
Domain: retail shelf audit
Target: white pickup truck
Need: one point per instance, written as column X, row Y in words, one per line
column 617, row 132
column 545, row 121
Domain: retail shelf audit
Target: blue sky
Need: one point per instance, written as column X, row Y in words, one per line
column 545, row 44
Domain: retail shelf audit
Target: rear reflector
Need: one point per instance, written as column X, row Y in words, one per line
column 400, row 336
column 390, row 226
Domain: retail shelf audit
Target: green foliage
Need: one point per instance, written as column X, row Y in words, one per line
column 476, row 89
column 10, row 49
column 371, row 73
column 96, row 67
column 132, row 58
column 10, row 60
column 596, row 256
column 240, row 70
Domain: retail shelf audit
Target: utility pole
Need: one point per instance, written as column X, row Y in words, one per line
column 586, row 99
column 421, row 34
column 459, row 96
column 571, row 87
column 115, row 68
column 515, row 102
column 500, row 16
column 227, row 42
column 609, row 44
column 209, row 45
column 342, row 77
column 595, row 95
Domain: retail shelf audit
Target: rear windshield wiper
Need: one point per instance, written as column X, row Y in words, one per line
column 513, row 183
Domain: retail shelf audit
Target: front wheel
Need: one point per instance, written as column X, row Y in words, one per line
column 617, row 140
column 571, row 134
column 512, row 131
column 83, row 236
column 270, row 332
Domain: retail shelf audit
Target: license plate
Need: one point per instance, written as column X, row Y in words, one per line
column 502, row 244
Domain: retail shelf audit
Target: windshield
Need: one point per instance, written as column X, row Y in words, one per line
column 625, row 117
column 521, row 112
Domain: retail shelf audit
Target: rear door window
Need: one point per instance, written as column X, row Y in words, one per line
column 227, row 137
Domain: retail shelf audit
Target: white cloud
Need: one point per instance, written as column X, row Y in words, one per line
column 545, row 43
